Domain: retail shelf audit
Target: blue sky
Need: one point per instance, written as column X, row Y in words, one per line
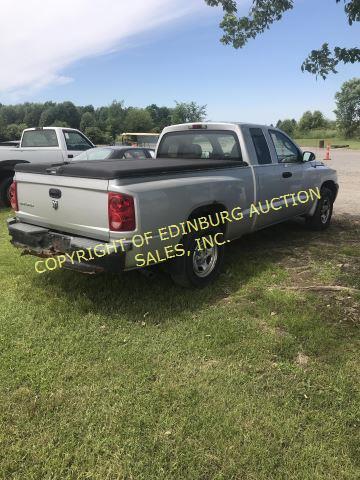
column 182, row 59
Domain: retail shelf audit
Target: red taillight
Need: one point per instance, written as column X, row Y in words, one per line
column 121, row 212
column 13, row 197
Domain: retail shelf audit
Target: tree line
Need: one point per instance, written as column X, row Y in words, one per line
column 102, row 125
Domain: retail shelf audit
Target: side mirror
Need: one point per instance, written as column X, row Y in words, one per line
column 308, row 156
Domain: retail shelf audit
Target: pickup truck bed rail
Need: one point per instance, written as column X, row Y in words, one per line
column 112, row 169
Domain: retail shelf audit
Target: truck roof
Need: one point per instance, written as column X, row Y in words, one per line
column 212, row 126
column 50, row 128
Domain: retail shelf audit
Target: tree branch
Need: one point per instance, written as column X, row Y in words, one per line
column 323, row 62
column 263, row 13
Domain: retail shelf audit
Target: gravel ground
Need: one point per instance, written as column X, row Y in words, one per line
column 347, row 164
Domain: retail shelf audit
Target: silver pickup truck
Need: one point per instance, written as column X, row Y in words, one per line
column 210, row 183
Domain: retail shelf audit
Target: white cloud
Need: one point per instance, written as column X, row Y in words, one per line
column 39, row 39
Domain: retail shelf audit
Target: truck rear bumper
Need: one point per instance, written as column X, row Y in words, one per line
column 46, row 243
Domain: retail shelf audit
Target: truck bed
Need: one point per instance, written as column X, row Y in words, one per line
column 112, row 169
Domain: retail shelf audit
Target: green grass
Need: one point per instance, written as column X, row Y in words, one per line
column 314, row 142
column 134, row 378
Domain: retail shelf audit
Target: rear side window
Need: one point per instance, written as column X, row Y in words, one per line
column 207, row 144
column 261, row 146
column 39, row 138
column 75, row 141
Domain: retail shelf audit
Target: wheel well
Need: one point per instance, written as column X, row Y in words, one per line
column 331, row 186
column 206, row 210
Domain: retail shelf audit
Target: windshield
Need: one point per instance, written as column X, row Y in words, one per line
column 210, row 144
column 94, row 154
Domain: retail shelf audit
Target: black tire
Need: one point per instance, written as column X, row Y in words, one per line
column 324, row 210
column 5, row 184
column 198, row 268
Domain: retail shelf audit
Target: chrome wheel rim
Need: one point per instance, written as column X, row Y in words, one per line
column 204, row 260
column 325, row 210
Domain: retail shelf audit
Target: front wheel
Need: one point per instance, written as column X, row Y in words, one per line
column 5, row 196
column 203, row 259
column 324, row 210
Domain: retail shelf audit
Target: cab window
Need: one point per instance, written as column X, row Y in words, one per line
column 261, row 146
column 39, row 139
column 207, row 144
column 286, row 151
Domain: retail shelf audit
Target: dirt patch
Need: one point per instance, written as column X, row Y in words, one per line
column 329, row 266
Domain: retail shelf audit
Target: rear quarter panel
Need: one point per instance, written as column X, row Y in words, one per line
column 170, row 201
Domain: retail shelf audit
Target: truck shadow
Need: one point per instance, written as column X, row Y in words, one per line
column 134, row 297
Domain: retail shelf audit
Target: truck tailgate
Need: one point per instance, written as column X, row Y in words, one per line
column 65, row 204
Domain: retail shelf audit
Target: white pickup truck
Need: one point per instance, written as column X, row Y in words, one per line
column 39, row 145
column 209, row 183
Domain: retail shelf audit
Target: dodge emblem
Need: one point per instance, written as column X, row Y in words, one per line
column 55, row 204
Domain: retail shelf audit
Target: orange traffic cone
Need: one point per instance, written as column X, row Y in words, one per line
column 327, row 156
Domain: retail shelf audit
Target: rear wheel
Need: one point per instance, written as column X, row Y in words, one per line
column 323, row 213
column 5, row 185
column 203, row 259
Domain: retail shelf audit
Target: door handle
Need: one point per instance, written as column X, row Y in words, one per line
column 287, row 174
column 70, row 156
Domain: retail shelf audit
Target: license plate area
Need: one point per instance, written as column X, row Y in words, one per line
column 60, row 243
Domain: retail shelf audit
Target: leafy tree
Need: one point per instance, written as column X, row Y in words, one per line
column 188, row 112
column 87, row 120
column 86, row 108
column 48, row 117
column 115, row 117
column 348, row 108
column 12, row 113
column 101, row 116
column 97, row 136
column 3, row 129
column 32, row 114
column 161, row 116
column 287, row 126
column 306, row 122
column 263, row 13
column 60, row 123
column 138, row 120
column 15, row 130
column 318, row 120
column 67, row 112
column 311, row 121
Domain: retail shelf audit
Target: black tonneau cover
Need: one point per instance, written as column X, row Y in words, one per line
column 112, row 169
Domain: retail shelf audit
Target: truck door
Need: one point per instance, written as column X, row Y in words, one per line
column 277, row 173
column 75, row 143
column 298, row 176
